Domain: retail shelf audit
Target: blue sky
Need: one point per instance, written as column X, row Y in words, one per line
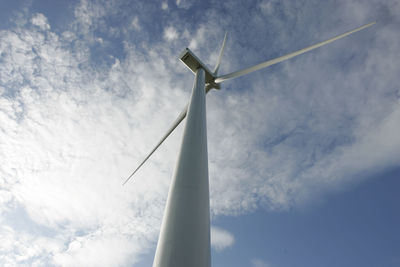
column 304, row 157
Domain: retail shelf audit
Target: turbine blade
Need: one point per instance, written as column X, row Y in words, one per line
column 180, row 118
column 283, row 58
column 221, row 52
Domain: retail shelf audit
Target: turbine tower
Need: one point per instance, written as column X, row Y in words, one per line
column 184, row 239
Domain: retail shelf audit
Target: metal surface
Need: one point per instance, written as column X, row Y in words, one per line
column 221, row 52
column 283, row 58
column 184, row 239
column 194, row 63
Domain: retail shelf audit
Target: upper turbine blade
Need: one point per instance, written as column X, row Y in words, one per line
column 181, row 116
column 221, row 52
column 283, row 58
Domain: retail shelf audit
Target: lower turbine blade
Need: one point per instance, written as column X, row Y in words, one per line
column 283, row 58
column 180, row 118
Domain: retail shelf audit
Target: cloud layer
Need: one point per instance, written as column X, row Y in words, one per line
column 82, row 104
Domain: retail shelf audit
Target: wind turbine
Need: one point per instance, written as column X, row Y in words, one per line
column 184, row 239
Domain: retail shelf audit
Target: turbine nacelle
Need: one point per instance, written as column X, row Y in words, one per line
column 193, row 63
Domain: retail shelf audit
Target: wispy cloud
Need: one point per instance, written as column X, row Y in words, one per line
column 170, row 33
column 259, row 263
column 164, row 5
column 221, row 239
column 64, row 132
column 41, row 21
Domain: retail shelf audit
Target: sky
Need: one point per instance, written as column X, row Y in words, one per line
column 304, row 156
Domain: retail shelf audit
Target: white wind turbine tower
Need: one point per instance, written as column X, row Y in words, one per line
column 184, row 239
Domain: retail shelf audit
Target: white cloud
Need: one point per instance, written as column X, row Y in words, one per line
column 199, row 38
column 259, row 263
column 104, row 248
column 267, row 7
column 170, row 33
column 135, row 23
column 64, row 135
column 41, row 21
column 186, row 4
column 164, row 5
column 221, row 239
column 26, row 249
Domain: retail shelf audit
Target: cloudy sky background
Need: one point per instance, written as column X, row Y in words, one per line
column 88, row 87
